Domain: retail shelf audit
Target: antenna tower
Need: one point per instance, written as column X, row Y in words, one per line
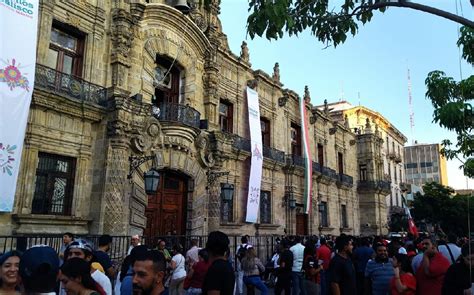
column 412, row 114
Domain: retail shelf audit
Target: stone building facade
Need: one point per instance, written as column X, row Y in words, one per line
column 380, row 159
column 124, row 81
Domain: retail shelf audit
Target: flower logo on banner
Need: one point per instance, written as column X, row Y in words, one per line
column 13, row 77
column 6, row 158
column 257, row 153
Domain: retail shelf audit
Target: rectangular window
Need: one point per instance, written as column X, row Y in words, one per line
column 295, row 139
column 227, row 208
column 344, row 223
column 226, row 116
column 265, row 129
column 66, row 50
column 265, row 207
column 363, row 172
column 411, row 165
column 321, row 154
column 323, row 215
column 340, row 163
column 54, row 185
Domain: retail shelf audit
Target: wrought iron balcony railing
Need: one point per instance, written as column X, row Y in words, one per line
column 367, row 184
column 384, row 185
column 67, row 85
column 316, row 167
column 173, row 112
column 346, row 179
column 295, row 160
column 241, row 143
column 330, row 173
column 274, row 154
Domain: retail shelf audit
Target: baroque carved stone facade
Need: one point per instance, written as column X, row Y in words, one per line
column 192, row 121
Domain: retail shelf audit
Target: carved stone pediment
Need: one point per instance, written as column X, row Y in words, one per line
column 150, row 137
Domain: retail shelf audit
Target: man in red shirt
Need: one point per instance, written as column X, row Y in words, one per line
column 430, row 274
column 324, row 253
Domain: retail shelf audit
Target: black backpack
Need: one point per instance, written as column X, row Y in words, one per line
column 241, row 252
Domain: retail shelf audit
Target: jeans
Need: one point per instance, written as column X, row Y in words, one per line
column 298, row 283
column 257, row 282
column 325, row 287
column 239, row 282
column 193, row 291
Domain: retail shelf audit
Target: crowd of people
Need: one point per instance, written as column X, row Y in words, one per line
column 298, row 266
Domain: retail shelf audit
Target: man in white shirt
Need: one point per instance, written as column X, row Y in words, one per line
column 297, row 274
column 134, row 242
column 192, row 254
column 239, row 280
column 450, row 250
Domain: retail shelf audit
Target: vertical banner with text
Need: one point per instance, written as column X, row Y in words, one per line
column 253, row 199
column 308, row 163
column 18, row 31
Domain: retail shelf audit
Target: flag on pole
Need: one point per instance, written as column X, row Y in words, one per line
column 308, row 172
column 18, row 33
column 411, row 224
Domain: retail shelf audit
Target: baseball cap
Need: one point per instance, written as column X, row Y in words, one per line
column 39, row 261
column 80, row 244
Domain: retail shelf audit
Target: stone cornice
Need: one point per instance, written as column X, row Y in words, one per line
column 85, row 110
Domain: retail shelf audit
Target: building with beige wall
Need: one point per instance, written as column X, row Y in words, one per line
column 124, row 81
column 380, row 163
column 424, row 163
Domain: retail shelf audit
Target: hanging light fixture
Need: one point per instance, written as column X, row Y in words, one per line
column 227, row 191
column 152, row 180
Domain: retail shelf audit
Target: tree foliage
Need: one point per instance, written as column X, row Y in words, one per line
column 332, row 25
column 439, row 206
column 453, row 109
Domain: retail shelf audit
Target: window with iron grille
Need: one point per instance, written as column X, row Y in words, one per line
column 265, row 129
column 66, row 49
column 54, row 185
column 265, row 207
column 363, row 172
column 344, row 216
column 295, row 139
column 227, row 208
column 226, row 116
column 323, row 215
column 321, row 154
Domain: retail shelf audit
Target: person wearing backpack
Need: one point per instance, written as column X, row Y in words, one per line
column 240, row 254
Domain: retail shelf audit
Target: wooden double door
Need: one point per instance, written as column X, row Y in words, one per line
column 302, row 224
column 166, row 210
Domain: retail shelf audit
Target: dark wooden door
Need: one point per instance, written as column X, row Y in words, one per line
column 166, row 209
column 301, row 224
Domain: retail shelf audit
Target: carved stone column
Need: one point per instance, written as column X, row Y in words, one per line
column 116, row 189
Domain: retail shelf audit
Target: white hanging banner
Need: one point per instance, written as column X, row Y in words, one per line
column 255, row 180
column 18, row 30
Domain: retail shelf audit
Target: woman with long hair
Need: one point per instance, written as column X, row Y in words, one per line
column 253, row 267
column 9, row 275
column 197, row 273
column 403, row 282
column 178, row 274
column 76, row 278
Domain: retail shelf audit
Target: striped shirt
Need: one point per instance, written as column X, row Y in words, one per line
column 380, row 274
